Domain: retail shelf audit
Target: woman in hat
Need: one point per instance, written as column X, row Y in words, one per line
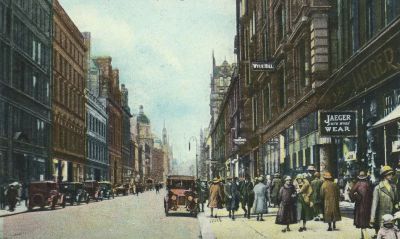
column 287, row 205
column 260, row 199
column 388, row 229
column 216, row 196
column 361, row 194
column 304, row 204
column 275, row 187
column 330, row 199
column 384, row 197
column 316, row 184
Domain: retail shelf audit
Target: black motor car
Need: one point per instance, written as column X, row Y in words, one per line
column 74, row 192
column 106, row 190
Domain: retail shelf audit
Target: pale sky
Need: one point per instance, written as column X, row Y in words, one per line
column 163, row 51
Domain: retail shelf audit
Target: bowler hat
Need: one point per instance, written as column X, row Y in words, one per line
column 362, row 175
column 327, row 175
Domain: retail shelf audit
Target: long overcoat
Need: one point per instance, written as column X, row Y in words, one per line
column 382, row 202
column 316, row 184
column 330, row 200
column 216, row 196
column 304, row 209
column 361, row 194
column 231, row 192
column 287, row 206
column 275, row 187
column 260, row 198
column 246, row 193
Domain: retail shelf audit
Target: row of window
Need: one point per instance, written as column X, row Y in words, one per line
column 97, row 151
column 64, row 68
column 29, row 129
column 3, row 119
column 67, row 139
column 68, row 96
column 31, row 45
column 5, row 20
column 36, row 13
column 96, row 125
column 69, row 47
column 4, row 62
column 30, row 81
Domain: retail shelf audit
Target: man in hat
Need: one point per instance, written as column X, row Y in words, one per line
column 384, row 197
column 316, row 184
column 12, row 194
column 330, row 198
column 231, row 192
column 287, row 205
column 260, row 199
column 310, row 172
column 246, row 195
column 201, row 192
column 361, row 194
column 216, row 196
column 275, row 187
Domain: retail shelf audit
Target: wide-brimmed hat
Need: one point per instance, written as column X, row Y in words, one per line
column 386, row 170
column 327, row 175
column 387, row 219
column 260, row 179
column 362, row 175
column 216, row 180
column 311, row 168
column 300, row 176
column 288, row 178
column 277, row 175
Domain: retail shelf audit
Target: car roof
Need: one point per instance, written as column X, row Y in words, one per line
column 181, row 177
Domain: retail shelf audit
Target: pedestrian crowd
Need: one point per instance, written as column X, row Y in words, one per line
column 308, row 196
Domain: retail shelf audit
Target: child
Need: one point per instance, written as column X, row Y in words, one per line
column 388, row 230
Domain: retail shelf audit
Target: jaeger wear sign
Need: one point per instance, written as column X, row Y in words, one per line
column 338, row 123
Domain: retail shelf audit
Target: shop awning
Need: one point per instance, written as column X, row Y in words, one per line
column 391, row 117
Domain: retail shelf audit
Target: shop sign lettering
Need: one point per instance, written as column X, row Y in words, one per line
column 338, row 123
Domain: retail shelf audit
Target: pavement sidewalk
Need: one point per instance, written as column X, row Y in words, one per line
column 223, row 227
column 18, row 210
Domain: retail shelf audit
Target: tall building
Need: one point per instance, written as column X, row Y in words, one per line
column 146, row 143
column 157, row 170
column 97, row 165
column 167, row 153
column 127, row 158
column 110, row 92
column 25, row 93
column 68, row 108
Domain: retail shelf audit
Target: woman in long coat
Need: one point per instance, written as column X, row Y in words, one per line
column 304, row 191
column 330, row 200
column 316, row 184
column 361, row 194
column 231, row 192
column 275, row 187
column 260, row 199
column 287, row 205
column 216, row 196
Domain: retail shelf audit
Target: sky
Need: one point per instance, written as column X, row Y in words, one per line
column 163, row 50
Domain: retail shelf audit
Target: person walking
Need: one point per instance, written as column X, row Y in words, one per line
column 231, row 192
column 316, row 184
column 361, row 194
column 384, row 198
column 275, row 187
column 330, row 199
column 304, row 204
column 157, row 186
column 201, row 192
column 260, row 199
column 246, row 196
column 268, row 183
column 2, row 197
column 388, row 229
column 12, row 194
column 287, row 205
column 216, row 197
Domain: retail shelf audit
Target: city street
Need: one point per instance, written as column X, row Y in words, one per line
column 122, row 217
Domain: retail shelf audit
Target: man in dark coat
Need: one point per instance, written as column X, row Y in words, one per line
column 287, row 205
column 275, row 187
column 361, row 194
column 12, row 194
column 330, row 198
column 246, row 195
column 231, row 192
column 201, row 190
column 316, row 184
column 384, row 198
column 2, row 197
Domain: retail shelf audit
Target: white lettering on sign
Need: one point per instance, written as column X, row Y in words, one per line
column 332, row 118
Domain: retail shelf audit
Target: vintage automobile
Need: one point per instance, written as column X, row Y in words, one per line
column 122, row 189
column 106, row 190
column 181, row 195
column 74, row 192
column 44, row 193
column 93, row 189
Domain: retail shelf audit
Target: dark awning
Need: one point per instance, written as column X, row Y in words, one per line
column 391, row 117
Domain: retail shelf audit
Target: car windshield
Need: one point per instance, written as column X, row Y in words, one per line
column 183, row 184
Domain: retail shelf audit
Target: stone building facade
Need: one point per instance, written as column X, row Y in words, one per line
column 68, row 103
column 127, row 157
column 146, row 144
column 110, row 92
column 25, row 93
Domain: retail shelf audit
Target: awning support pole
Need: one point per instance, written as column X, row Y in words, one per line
column 384, row 141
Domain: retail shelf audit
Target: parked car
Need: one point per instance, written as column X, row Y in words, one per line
column 44, row 193
column 181, row 195
column 122, row 189
column 74, row 192
column 106, row 190
column 93, row 189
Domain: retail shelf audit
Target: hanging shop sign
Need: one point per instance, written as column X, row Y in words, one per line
column 337, row 123
column 262, row 66
column 240, row 141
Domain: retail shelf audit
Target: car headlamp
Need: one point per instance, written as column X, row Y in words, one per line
column 173, row 197
column 190, row 198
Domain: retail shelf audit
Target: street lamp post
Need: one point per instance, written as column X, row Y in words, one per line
column 197, row 167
